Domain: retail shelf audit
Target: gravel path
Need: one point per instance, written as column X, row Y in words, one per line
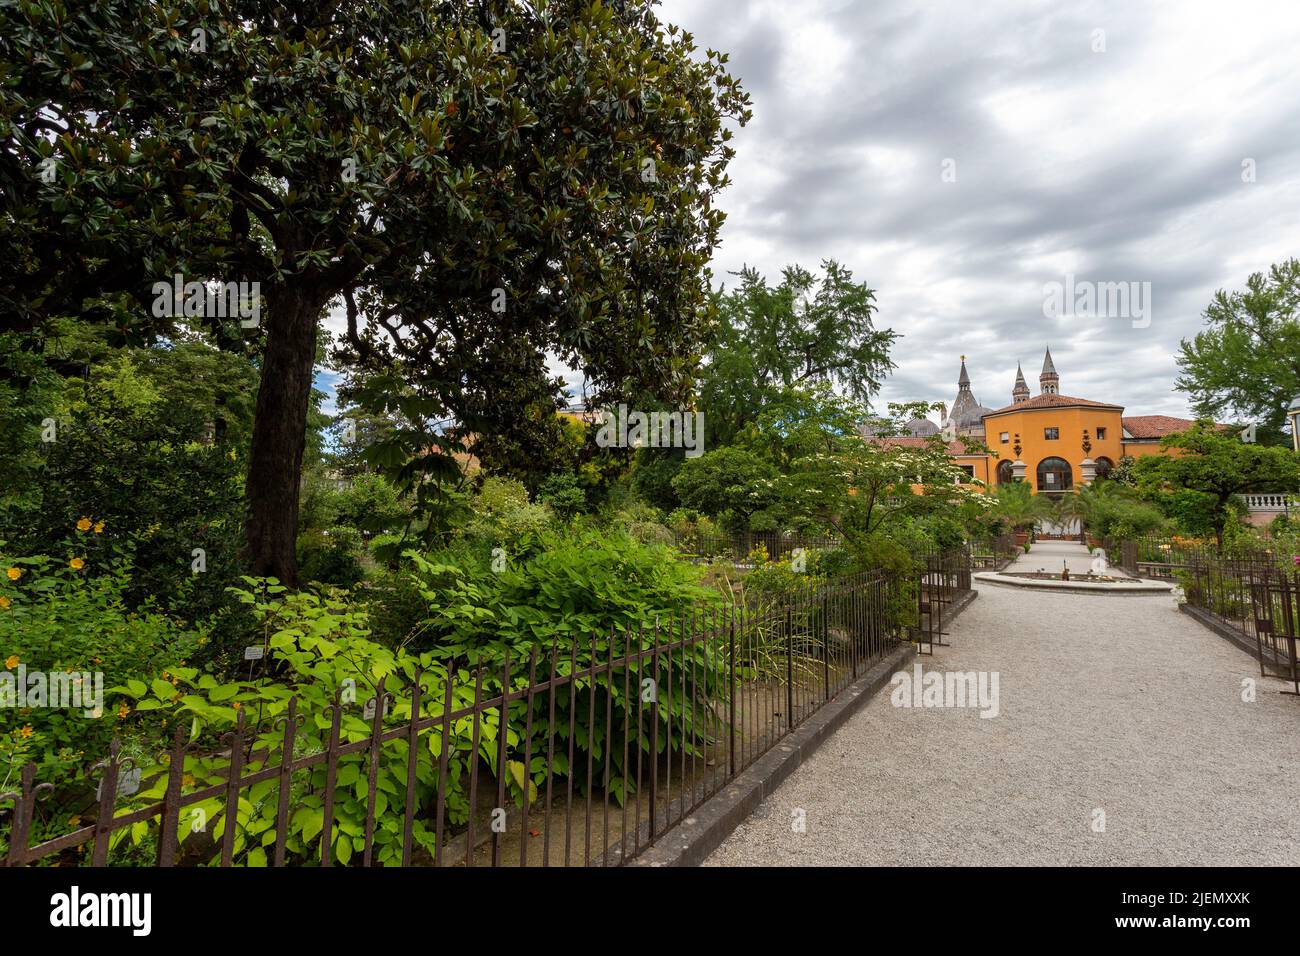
column 1114, row 704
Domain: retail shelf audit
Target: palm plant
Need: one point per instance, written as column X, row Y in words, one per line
column 1097, row 504
column 1019, row 507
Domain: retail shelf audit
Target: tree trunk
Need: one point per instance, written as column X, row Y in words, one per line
column 279, row 432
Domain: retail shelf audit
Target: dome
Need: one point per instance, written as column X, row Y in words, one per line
column 971, row 416
column 921, row 428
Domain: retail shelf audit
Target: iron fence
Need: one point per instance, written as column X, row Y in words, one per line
column 1248, row 591
column 1165, row 557
column 945, row 582
column 579, row 753
column 993, row 553
column 1251, row 596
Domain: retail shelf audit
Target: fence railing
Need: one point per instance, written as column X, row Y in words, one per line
column 1249, row 592
column 945, row 580
column 994, row 553
column 581, row 753
column 1163, row 557
column 1271, row 503
column 1253, row 597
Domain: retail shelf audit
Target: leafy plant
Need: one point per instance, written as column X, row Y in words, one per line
column 68, row 614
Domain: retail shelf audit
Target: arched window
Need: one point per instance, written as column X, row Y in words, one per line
column 1054, row 474
column 1006, row 473
column 1104, row 466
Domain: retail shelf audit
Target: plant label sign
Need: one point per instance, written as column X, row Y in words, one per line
column 128, row 782
column 254, row 652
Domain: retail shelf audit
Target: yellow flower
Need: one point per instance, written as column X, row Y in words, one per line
column 4, row 602
column 73, row 820
column 99, row 527
column 76, row 564
column 123, row 710
column 83, row 524
column 11, row 662
column 26, row 731
column 14, row 573
column 237, row 705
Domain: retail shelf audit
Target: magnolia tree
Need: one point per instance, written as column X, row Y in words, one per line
column 473, row 185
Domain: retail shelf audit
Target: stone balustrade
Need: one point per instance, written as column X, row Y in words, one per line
column 1278, row 503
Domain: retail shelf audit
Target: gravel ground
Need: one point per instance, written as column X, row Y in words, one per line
column 1114, row 704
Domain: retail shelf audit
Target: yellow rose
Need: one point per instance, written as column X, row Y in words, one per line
column 83, row 524
column 26, row 731
column 4, row 602
column 99, row 527
column 12, row 662
column 14, row 573
column 123, row 710
column 76, row 564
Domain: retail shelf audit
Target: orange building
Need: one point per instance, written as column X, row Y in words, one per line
column 1053, row 441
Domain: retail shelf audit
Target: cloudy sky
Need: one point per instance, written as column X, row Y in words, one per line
column 1122, row 165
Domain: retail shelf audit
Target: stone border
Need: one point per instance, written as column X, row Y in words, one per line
column 692, row 840
column 1138, row 587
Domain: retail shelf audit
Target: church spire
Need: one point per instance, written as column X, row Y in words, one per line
column 1020, row 392
column 1049, row 381
column 963, row 380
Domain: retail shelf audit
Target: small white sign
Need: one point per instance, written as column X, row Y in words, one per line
column 254, row 652
column 128, row 782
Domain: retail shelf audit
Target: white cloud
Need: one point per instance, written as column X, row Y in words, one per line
column 1116, row 166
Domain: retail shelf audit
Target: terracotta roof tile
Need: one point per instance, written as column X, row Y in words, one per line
column 1051, row 401
column 1154, row 426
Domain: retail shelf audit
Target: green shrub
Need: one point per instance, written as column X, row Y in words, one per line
column 331, row 556
column 371, row 503
column 54, row 619
column 318, row 651
column 563, row 492
column 503, row 515
column 583, row 594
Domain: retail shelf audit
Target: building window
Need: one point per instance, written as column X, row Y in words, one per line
column 1101, row 434
column 1104, row 467
column 1051, row 434
column 970, row 471
column 1006, row 437
column 1055, row 474
column 1006, row 473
